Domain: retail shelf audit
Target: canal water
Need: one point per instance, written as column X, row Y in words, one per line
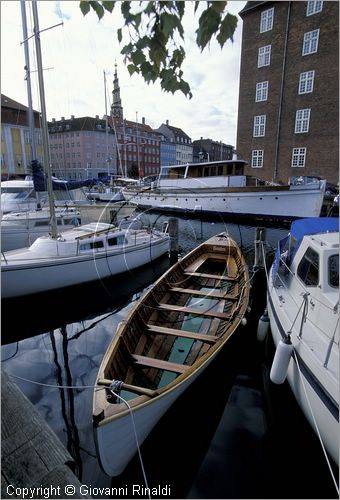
column 230, row 435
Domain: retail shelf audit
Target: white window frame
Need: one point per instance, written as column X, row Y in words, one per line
column 259, row 129
column 266, row 23
column 306, row 82
column 257, row 158
column 263, row 58
column 310, row 42
column 314, row 7
column 302, row 118
column 261, row 93
column 299, row 157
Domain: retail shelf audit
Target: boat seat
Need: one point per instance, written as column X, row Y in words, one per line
column 201, row 293
column 191, row 310
column 133, row 388
column 199, row 262
column 214, row 276
column 160, row 364
column 162, row 330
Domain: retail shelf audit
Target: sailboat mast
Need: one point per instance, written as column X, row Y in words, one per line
column 53, row 221
column 28, row 81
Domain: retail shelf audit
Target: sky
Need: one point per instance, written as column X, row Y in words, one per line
column 76, row 54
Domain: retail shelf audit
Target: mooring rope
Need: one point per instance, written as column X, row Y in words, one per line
column 115, row 384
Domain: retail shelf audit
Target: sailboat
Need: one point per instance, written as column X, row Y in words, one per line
column 82, row 254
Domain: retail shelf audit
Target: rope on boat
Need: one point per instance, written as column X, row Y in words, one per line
column 117, row 395
column 303, row 385
column 114, row 388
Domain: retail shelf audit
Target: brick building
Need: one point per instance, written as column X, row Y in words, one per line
column 288, row 119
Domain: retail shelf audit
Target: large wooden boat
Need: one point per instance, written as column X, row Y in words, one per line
column 165, row 343
column 220, row 189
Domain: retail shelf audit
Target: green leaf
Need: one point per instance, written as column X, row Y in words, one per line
column 168, row 23
column 132, row 69
column 125, row 10
column 208, row 25
column 98, row 8
column 84, row 7
column 108, row 5
column 119, row 35
column 227, row 29
column 138, row 57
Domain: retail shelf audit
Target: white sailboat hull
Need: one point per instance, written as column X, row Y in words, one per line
column 242, row 202
column 48, row 273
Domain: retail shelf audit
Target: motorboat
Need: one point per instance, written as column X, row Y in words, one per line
column 220, row 188
column 303, row 309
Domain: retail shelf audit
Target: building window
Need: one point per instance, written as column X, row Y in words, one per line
column 261, row 91
column 267, row 20
column 298, row 157
column 306, row 82
column 302, row 121
column 313, row 7
column 257, row 158
column 310, row 42
column 264, row 56
column 259, row 126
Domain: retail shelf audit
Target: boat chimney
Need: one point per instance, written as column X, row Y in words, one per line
column 72, row 117
column 167, row 122
column 62, row 118
column 143, row 120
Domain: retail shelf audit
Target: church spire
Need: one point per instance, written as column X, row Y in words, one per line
column 116, row 107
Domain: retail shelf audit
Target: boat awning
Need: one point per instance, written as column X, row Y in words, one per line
column 313, row 225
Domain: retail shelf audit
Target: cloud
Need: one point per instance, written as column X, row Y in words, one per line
column 84, row 47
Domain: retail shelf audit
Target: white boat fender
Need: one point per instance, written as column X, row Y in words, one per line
column 244, row 321
column 262, row 327
column 279, row 369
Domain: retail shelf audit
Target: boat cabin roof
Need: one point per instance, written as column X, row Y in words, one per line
column 205, row 169
column 314, row 225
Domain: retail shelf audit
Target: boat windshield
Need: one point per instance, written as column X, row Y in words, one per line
column 17, row 193
column 333, row 271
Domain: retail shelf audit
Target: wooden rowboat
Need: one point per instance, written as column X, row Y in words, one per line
column 168, row 339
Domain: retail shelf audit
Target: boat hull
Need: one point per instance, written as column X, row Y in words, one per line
column 116, row 439
column 302, row 378
column 168, row 339
column 241, row 203
column 53, row 273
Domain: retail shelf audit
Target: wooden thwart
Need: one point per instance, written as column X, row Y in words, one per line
column 162, row 330
column 159, row 364
column 201, row 293
column 191, row 310
column 214, row 276
column 129, row 387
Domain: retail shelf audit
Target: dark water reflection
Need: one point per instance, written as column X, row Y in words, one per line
column 59, row 338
